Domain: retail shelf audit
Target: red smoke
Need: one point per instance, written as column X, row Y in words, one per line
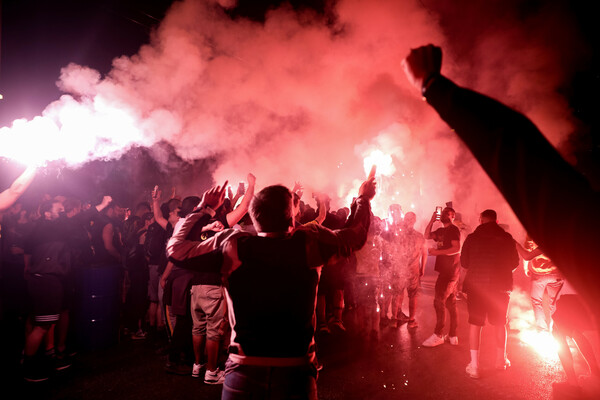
column 296, row 99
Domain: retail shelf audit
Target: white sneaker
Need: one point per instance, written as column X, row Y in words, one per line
column 196, row 370
column 216, row 377
column 453, row 340
column 472, row 371
column 433, row 341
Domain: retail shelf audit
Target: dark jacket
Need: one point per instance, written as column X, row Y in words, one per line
column 490, row 256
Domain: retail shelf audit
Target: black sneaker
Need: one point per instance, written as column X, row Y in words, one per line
column 62, row 361
column 35, row 371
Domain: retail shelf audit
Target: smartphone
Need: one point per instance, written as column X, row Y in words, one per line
column 438, row 213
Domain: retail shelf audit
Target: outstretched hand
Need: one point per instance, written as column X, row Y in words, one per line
column 214, row 197
column 156, row 193
column 368, row 189
column 422, row 63
column 106, row 200
column 251, row 179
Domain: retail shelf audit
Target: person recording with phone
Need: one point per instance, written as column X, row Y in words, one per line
column 447, row 263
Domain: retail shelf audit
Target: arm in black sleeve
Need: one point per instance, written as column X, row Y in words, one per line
column 555, row 203
column 350, row 238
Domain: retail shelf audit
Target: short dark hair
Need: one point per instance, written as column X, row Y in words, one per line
column 71, row 203
column 188, row 204
column 490, row 214
column 271, row 209
column 164, row 209
column 445, row 210
column 142, row 205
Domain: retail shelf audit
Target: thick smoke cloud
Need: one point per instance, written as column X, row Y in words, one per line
column 299, row 98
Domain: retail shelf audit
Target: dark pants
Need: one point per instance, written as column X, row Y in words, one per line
column 181, row 342
column 269, row 383
column 445, row 297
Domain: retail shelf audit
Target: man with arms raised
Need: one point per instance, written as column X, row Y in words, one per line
column 447, row 263
column 271, row 284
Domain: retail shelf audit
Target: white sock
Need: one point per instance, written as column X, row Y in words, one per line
column 475, row 358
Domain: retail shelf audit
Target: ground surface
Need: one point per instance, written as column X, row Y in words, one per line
column 395, row 366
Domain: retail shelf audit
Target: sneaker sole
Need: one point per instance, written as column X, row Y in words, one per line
column 217, row 382
column 36, row 380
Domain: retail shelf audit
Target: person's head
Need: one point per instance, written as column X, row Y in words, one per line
column 51, row 209
column 148, row 218
column 409, row 220
column 187, row 205
column 142, row 208
column 448, row 215
column 170, row 210
column 395, row 211
column 72, row 206
column 115, row 210
column 488, row 216
column 271, row 209
column 343, row 213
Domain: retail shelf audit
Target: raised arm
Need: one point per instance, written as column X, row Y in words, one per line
column 526, row 254
column 428, row 235
column 322, row 212
column 532, row 176
column 179, row 247
column 350, row 238
column 158, row 216
column 17, row 188
column 234, row 216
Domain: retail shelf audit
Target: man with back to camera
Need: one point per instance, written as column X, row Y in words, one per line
column 490, row 256
column 447, row 263
column 271, row 285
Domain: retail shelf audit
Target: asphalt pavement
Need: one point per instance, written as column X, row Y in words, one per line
column 393, row 365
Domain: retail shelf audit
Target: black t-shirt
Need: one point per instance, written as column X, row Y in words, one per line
column 449, row 265
column 47, row 245
column 163, row 260
column 156, row 240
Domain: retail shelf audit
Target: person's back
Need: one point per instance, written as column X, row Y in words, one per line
column 491, row 257
column 272, row 293
column 270, row 283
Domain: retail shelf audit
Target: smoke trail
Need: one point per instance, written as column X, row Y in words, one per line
column 299, row 99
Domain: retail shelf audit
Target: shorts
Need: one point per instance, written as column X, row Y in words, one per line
column 208, row 311
column 493, row 304
column 153, row 280
column 399, row 283
column 46, row 294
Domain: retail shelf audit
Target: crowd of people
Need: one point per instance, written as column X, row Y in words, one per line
column 239, row 283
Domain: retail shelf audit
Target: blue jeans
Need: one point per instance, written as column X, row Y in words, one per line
column 552, row 284
column 269, row 383
column 445, row 298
